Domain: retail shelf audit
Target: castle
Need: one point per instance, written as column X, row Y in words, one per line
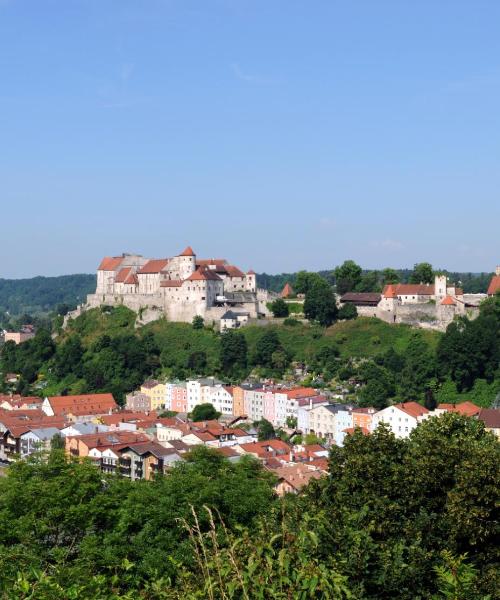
column 178, row 288
column 426, row 305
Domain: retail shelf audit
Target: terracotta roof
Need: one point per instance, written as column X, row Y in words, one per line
column 171, row 283
column 463, row 408
column 298, row 475
column 110, row 263
column 490, row 417
column 287, row 291
column 320, row 463
column 351, row 430
column 131, row 279
column 448, row 301
column 152, row 447
column 187, row 252
column 123, row 274
column 233, row 271
column 107, row 439
column 414, row 409
column 154, row 265
column 85, row 404
column 408, row 289
column 301, row 392
column 203, row 275
column 494, row 286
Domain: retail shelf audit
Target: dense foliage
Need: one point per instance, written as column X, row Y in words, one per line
column 404, row 519
column 44, row 294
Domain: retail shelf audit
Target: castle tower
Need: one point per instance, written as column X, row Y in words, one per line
column 187, row 263
column 440, row 286
column 497, row 271
column 250, row 281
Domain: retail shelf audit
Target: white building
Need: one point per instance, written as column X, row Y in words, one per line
column 401, row 418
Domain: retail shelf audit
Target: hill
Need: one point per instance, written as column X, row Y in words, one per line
column 44, row 294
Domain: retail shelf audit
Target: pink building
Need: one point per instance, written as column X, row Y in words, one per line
column 269, row 406
column 179, row 398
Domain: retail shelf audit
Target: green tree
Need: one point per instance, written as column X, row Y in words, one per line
column 280, row 308
column 419, row 370
column 347, row 276
column 320, row 304
column 197, row 362
column 305, row 280
column 265, row 430
column 204, row 412
column 347, row 312
column 198, row 322
column 267, row 344
column 389, row 276
column 422, row 273
column 233, row 353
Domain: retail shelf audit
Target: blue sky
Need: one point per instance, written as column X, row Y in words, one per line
column 279, row 134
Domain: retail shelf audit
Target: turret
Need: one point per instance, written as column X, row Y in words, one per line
column 187, row 263
column 440, row 286
column 251, row 281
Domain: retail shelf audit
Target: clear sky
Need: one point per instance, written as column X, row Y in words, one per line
column 280, row 134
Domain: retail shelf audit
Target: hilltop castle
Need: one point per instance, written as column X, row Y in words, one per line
column 179, row 288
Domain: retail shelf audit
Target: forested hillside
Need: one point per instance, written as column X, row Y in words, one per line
column 44, row 294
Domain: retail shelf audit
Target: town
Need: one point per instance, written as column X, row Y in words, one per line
column 140, row 441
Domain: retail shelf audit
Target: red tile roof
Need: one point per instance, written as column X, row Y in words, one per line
column 203, row 275
column 408, row 289
column 233, row 271
column 107, row 439
column 131, row 279
column 85, row 404
column 490, row 417
column 187, row 252
column 154, row 265
column 494, row 286
column 171, row 283
column 110, row 263
column 301, row 392
column 287, row 291
column 448, row 301
column 463, row 408
column 205, row 262
column 414, row 409
column 351, row 430
column 123, row 274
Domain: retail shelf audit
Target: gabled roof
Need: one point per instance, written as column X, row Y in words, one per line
column 494, row 286
column 123, row 274
column 85, row 404
column 448, row 301
column 287, row 291
column 205, row 262
column 300, row 392
column 131, row 279
column 110, row 263
column 233, row 271
column 155, row 265
column 187, row 252
column 408, row 289
column 490, row 417
column 414, row 409
column 463, row 408
column 251, row 272
column 203, row 274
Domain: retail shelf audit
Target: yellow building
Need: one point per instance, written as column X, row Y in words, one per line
column 156, row 391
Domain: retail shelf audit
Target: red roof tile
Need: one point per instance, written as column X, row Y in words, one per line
column 287, row 291
column 233, row 271
column 464, row 408
column 448, row 301
column 494, row 286
column 408, row 289
column 85, row 404
column 131, row 279
column 203, row 275
column 414, row 409
column 154, row 265
column 187, row 252
column 171, row 283
column 123, row 274
column 110, row 263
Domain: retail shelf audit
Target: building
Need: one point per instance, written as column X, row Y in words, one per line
column 329, row 422
column 363, row 417
column 138, row 402
column 156, row 392
column 83, row 407
column 232, row 320
column 491, row 419
column 292, row 478
column 425, row 304
column 401, row 418
column 366, row 303
column 27, row 332
column 179, row 287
